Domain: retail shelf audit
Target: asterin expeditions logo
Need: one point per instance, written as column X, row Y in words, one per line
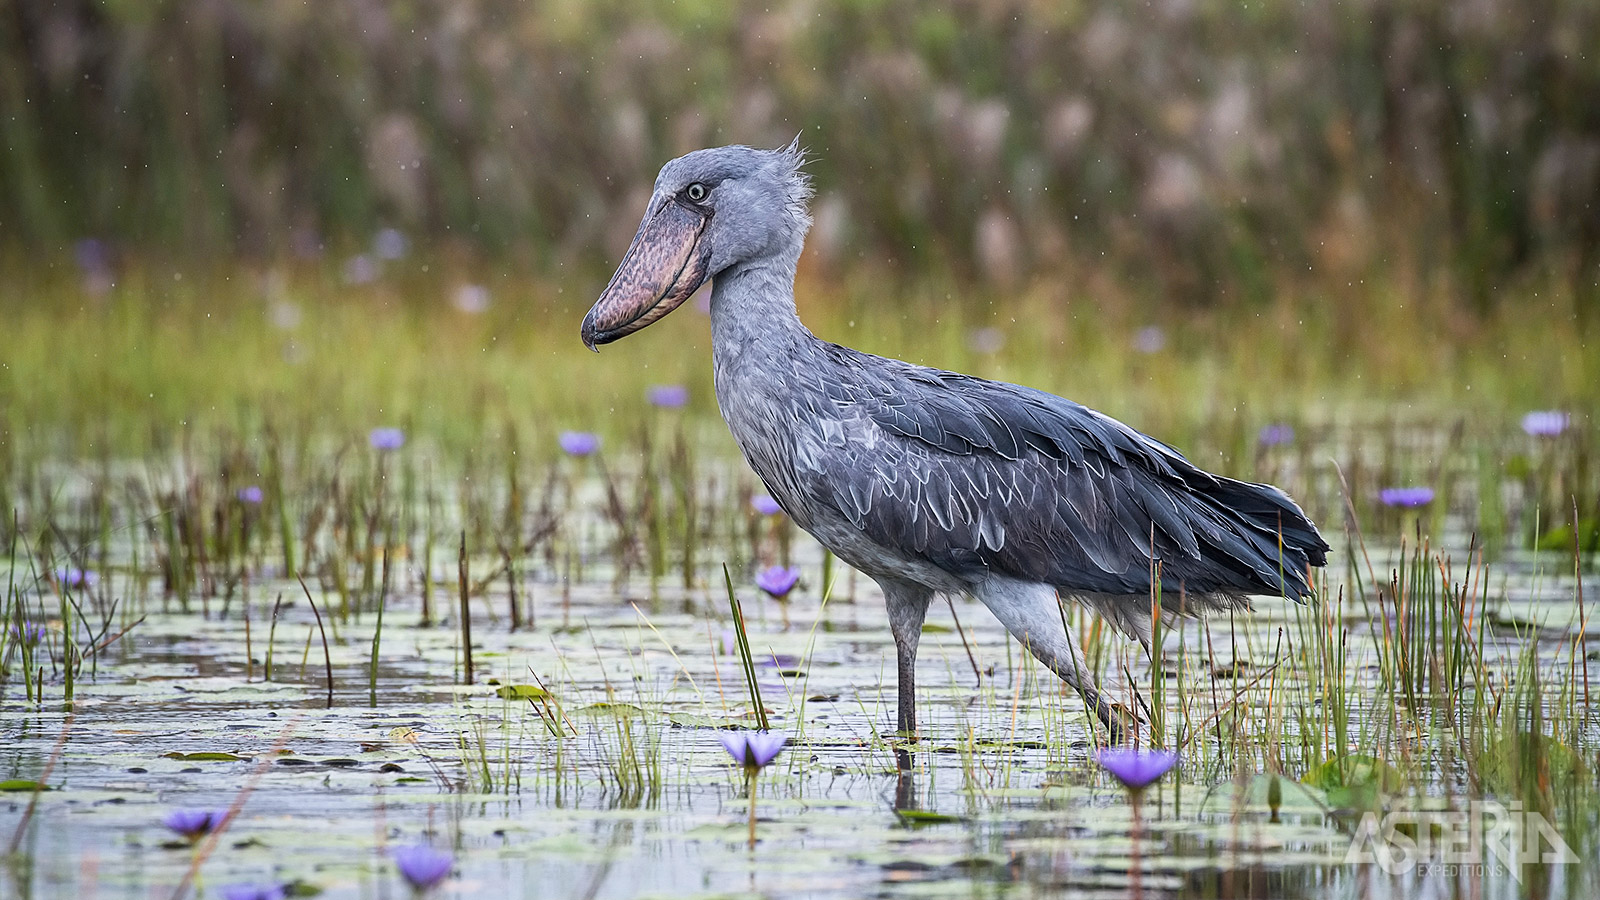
column 1487, row 837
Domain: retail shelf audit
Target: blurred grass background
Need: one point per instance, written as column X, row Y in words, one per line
column 1201, row 150
column 224, row 211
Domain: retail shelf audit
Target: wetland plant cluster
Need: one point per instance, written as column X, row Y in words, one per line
column 1421, row 675
column 346, row 533
column 420, row 866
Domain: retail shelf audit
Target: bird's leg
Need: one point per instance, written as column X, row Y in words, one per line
column 908, row 606
column 1032, row 614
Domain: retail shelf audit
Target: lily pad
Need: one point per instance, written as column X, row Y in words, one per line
column 1355, row 781
column 921, row 817
column 522, row 692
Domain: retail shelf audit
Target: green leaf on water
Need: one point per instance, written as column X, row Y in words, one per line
column 205, row 756
column 1355, row 769
column 1560, row 539
column 920, row 817
column 522, row 692
column 1355, row 781
column 17, row 785
column 608, row 708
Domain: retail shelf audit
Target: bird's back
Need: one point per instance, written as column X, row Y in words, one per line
column 971, row 477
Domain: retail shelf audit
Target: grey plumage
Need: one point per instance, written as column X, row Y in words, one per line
column 932, row 481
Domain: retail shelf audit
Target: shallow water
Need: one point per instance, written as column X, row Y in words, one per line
column 618, row 783
column 619, row 787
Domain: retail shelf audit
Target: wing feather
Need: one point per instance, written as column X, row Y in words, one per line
column 977, row 475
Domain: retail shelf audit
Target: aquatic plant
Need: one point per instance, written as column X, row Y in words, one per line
column 765, row 505
column 579, row 443
column 778, row 581
column 73, row 577
column 1276, row 435
column 386, row 439
column 1545, row 423
column 390, row 243
column 1150, row 339
column 28, row 632
column 471, row 299
column 668, row 396
column 422, row 866
column 1406, row 497
column 753, row 751
column 1136, row 769
column 193, row 824
column 251, row 495
column 360, row 269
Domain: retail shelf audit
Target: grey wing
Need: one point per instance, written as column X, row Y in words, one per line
column 977, row 476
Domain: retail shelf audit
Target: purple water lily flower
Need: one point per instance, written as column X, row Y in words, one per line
column 1545, row 423
column 360, row 269
column 986, row 340
column 193, row 824
column 668, row 396
column 1149, row 339
column 471, row 299
column 28, row 632
column 579, row 443
column 390, row 243
column 422, row 866
column 386, row 439
column 1136, row 769
column 752, row 749
column 72, row 577
column 765, row 505
column 1276, row 435
column 92, row 255
column 1406, row 497
column 778, row 581
column 251, row 495
column 253, row 892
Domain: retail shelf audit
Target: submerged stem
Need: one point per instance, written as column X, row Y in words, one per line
column 750, row 773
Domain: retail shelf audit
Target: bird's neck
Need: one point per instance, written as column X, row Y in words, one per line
column 752, row 311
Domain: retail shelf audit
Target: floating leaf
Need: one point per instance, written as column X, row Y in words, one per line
column 17, row 785
column 1560, row 539
column 205, row 756
column 522, row 692
column 1355, row 781
column 920, row 817
column 1345, row 771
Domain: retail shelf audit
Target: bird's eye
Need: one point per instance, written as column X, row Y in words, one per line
column 695, row 192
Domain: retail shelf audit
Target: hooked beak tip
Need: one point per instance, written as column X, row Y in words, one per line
column 662, row 267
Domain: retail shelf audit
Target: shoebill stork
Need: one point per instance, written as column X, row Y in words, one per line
column 933, row 482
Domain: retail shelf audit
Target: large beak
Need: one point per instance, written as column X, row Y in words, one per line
column 665, row 264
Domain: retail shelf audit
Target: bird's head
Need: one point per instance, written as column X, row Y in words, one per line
column 712, row 211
